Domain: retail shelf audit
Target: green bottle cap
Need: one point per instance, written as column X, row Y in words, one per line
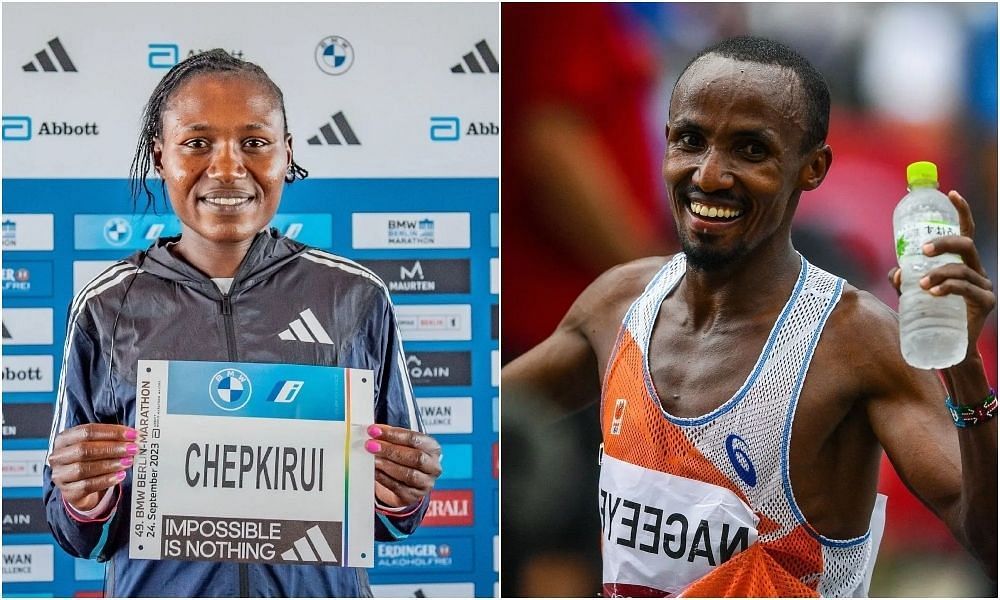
column 921, row 173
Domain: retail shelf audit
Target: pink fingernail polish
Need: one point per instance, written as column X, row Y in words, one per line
column 132, row 449
column 372, row 446
column 121, row 475
column 127, row 461
column 374, row 431
column 131, row 434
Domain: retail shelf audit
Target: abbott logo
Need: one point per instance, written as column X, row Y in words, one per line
column 445, row 129
column 472, row 62
column 27, row 373
column 330, row 136
column 16, row 128
column 162, row 56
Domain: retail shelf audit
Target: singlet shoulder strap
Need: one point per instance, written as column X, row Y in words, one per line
column 641, row 316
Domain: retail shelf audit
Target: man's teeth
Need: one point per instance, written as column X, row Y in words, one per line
column 226, row 201
column 712, row 211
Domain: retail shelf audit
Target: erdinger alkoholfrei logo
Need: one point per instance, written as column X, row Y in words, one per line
column 739, row 456
column 117, row 231
column 334, row 55
column 230, row 389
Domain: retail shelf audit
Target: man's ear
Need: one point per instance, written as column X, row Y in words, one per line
column 814, row 172
column 158, row 156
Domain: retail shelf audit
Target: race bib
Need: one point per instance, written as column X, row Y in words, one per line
column 253, row 462
column 662, row 532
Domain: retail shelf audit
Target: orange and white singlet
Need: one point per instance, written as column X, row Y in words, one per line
column 704, row 506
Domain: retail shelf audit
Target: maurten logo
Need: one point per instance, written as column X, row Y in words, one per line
column 473, row 64
column 327, row 131
column 230, row 389
column 306, row 329
column 334, row 55
column 44, row 60
column 311, row 547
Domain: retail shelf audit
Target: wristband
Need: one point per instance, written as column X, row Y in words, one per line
column 968, row 415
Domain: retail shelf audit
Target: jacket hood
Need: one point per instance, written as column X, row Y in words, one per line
column 268, row 252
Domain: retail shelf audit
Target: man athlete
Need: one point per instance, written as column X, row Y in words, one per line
column 747, row 395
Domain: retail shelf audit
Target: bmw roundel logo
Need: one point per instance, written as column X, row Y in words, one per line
column 334, row 55
column 117, row 231
column 230, row 389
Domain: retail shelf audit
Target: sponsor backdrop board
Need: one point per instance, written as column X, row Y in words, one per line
column 409, row 189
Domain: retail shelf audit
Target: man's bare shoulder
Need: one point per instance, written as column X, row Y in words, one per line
column 863, row 331
column 614, row 290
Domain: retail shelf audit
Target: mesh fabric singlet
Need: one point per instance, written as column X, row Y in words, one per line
column 704, row 506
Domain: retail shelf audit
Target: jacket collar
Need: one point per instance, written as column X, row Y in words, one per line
column 268, row 252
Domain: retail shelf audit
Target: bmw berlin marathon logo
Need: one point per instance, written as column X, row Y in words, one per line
column 334, row 55
column 230, row 389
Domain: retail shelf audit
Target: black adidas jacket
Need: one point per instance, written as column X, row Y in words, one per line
column 166, row 309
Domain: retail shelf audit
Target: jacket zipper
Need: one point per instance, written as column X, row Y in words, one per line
column 227, row 314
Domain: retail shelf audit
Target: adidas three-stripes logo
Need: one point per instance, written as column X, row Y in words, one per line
column 311, row 547
column 472, row 63
column 42, row 56
column 306, row 329
column 340, row 122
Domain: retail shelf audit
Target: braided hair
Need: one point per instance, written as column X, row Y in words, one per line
column 212, row 61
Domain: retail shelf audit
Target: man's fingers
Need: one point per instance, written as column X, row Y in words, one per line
column 94, row 432
column 962, row 287
column 960, row 245
column 91, row 451
column 894, row 278
column 955, row 271
column 965, row 222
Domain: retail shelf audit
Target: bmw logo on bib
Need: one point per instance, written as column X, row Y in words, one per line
column 230, row 389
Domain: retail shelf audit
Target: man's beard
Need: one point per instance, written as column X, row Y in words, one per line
column 703, row 257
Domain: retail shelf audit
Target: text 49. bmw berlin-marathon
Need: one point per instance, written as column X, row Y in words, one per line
column 253, row 462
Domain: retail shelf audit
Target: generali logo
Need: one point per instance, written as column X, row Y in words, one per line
column 449, row 508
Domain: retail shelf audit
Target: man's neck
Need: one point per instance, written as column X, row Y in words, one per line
column 755, row 284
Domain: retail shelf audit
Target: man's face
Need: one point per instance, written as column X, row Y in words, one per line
column 733, row 159
column 223, row 155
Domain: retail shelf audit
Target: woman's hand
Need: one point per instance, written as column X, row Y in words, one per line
column 407, row 463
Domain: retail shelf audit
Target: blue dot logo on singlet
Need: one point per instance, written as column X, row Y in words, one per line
column 739, row 456
column 230, row 389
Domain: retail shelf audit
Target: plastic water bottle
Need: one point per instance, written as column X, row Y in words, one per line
column 932, row 329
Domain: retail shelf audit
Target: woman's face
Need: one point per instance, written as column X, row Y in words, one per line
column 223, row 154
